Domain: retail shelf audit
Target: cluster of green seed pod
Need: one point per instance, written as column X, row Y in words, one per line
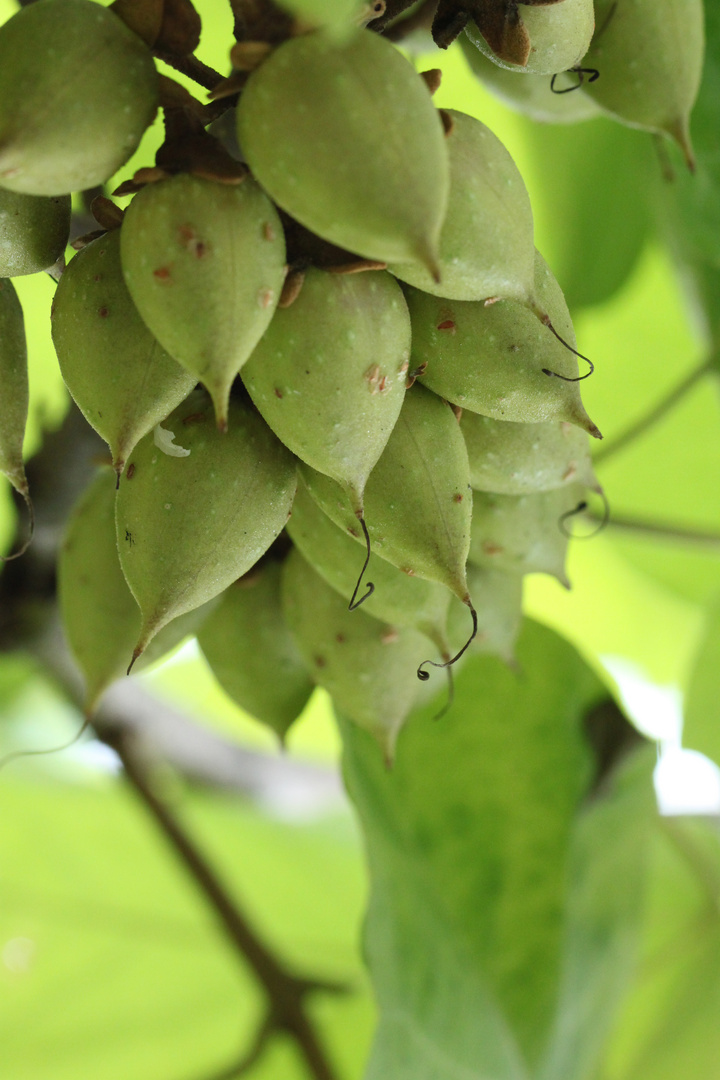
column 639, row 61
column 343, row 348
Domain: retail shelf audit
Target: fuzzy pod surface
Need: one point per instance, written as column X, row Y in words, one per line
column 195, row 515
column 118, row 374
column 204, row 263
column 345, row 138
column 77, row 91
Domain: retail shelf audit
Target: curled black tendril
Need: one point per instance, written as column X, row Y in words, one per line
column 423, row 675
column 50, row 750
column 354, row 602
column 450, row 697
column 568, row 346
column 592, row 75
column 581, row 508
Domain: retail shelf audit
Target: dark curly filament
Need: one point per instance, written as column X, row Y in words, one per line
column 354, row 602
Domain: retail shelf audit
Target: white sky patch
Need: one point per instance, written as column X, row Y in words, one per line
column 686, row 782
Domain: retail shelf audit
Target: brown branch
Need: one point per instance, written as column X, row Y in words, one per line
column 285, row 993
column 192, row 68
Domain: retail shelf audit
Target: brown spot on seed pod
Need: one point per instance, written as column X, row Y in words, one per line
column 162, row 273
column 408, row 570
column 130, row 470
column 268, row 231
column 353, row 532
column 447, row 324
column 191, row 241
column 458, row 498
column 103, row 312
column 320, row 661
column 570, row 471
column 98, row 277
column 491, row 300
column 195, row 418
column 265, row 297
column 377, row 382
column 404, row 367
column 340, row 638
column 492, row 549
column 390, row 636
column 278, row 393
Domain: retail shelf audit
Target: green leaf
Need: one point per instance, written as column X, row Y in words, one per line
column 701, row 729
column 468, row 840
column 111, row 965
column 669, row 1027
column 604, row 918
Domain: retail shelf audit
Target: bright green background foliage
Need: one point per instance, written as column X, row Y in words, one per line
column 522, row 923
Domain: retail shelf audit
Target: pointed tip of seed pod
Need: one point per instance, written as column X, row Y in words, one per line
column 679, row 130
column 90, row 706
column 21, row 486
column 119, row 467
column 426, row 253
column 564, row 580
column 137, row 652
column 221, row 403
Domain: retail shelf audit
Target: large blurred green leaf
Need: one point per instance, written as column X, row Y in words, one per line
column 469, row 838
column 111, row 966
column 670, row 1027
column 604, row 914
column 701, row 729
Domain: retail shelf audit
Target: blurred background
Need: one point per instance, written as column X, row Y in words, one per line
column 111, row 966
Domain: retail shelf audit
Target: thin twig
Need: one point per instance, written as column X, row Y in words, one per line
column 286, row 993
column 663, row 530
column 193, row 68
column 655, row 414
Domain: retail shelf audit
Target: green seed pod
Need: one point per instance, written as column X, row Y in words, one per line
column 329, row 374
column 497, row 596
column 367, row 666
column 520, row 459
column 418, row 499
column 523, row 534
column 344, row 136
column 100, row 616
column 77, row 91
column 486, row 243
column 492, row 358
column 530, row 95
column 398, row 599
column 187, row 527
column 13, row 413
column 120, row 376
column 559, row 35
column 34, row 232
column 252, row 654
column 14, row 381
column 204, row 263
column 650, row 57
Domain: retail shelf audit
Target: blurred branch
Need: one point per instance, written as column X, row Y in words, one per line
column 663, row 530
column 286, row 993
column 655, row 414
column 29, row 621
